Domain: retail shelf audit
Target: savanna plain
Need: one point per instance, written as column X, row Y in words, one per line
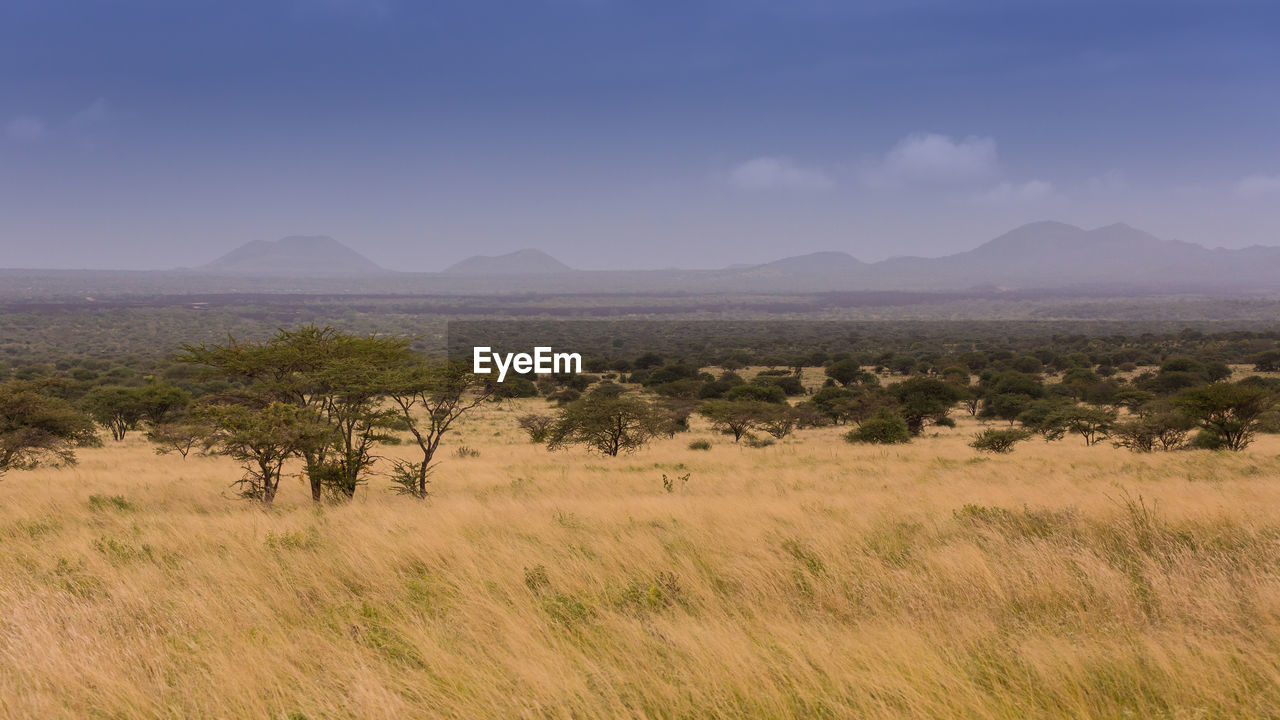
column 810, row 578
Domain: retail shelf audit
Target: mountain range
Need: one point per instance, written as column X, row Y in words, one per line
column 1035, row 256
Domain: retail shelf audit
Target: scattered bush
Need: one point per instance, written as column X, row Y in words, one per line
column 537, row 426
column 757, row 393
column 1156, row 427
column 669, row 483
column 884, row 428
column 998, row 441
column 700, row 445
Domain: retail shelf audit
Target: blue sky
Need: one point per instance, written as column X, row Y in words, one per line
column 161, row 133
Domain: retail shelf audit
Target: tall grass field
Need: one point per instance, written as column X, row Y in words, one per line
column 808, row 579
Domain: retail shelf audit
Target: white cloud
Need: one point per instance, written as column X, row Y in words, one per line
column 771, row 173
column 26, row 128
column 1259, row 185
column 929, row 158
column 1027, row 193
column 31, row 128
column 1109, row 183
column 95, row 114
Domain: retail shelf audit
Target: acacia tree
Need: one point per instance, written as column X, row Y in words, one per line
column 607, row 424
column 278, row 370
column 1094, row 424
column 737, row 417
column 843, row 405
column 179, row 437
column 261, row 439
column 430, row 399
column 352, row 384
column 998, row 441
column 36, row 428
column 1008, row 406
column 1043, row 418
column 848, row 372
column 1155, row 426
column 343, row 378
column 538, row 426
column 832, row 403
column 160, row 403
column 1229, row 412
column 118, row 409
column 922, row 400
column 780, row 421
column 676, row 412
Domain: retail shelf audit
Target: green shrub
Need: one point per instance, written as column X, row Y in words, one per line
column 1208, row 440
column 757, row 393
column 700, row 445
column 998, row 441
column 884, row 428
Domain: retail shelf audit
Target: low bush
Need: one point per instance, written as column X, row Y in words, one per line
column 884, row 428
column 998, row 441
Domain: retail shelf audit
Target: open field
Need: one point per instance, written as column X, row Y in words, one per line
column 812, row 578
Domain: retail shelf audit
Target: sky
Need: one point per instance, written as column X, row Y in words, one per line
column 151, row 134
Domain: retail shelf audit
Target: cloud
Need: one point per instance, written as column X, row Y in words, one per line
column 1256, row 186
column 26, row 128
column 31, row 128
column 774, row 173
column 96, row 113
column 932, row 159
column 1027, row 193
column 1109, row 183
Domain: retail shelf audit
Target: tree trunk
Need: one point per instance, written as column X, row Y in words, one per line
column 313, row 477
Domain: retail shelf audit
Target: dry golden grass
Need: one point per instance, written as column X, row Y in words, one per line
column 808, row 579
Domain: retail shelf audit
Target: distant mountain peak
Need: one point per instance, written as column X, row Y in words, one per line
column 296, row 255
column 521, row 262
column 1046, row 233
column 819, row 262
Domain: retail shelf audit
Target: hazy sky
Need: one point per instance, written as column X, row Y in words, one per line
column 693, row 133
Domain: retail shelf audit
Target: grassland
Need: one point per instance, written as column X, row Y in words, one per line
column 808, row 579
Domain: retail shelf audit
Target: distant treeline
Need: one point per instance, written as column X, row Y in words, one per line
column 151, row 326
column 331, row 399
column 134, row 350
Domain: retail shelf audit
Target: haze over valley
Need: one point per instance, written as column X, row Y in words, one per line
column 1037, row 256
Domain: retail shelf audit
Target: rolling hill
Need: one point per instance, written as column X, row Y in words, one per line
column 1036, row 256
column 293, row 256
column 520, row 262
column 1055, row 255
